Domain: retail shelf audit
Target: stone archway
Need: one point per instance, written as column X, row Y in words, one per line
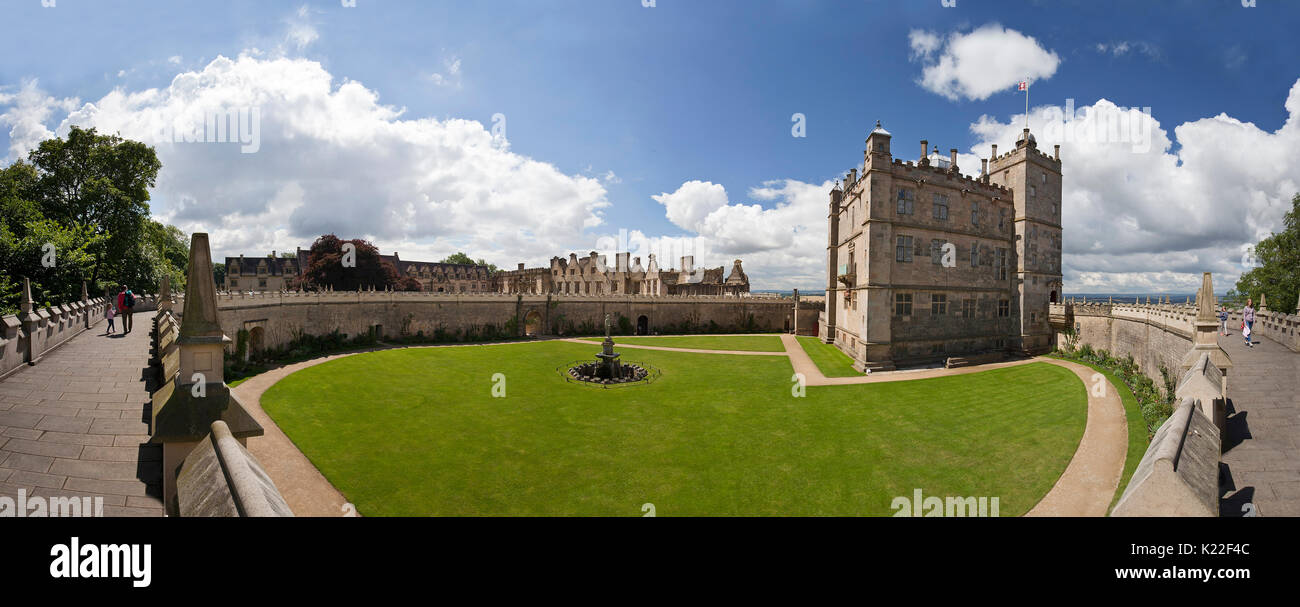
column 532, row 324
column 642, row 325
column 256, row 342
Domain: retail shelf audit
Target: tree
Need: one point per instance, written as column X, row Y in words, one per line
column 1278, row 275
column 409, row 283
column 219, row 273
column 101, row 181
column 461, row 258
column 326, row 266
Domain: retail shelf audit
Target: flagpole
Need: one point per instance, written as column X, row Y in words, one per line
column 1026, row 105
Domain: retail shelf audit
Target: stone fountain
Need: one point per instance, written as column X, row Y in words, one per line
column 608, row 369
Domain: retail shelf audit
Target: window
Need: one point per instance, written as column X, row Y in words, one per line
column 1001, row 264
column 938, row 304
column 1002, row 219
column 975, row 213
column 941, row 207
column 1004, row 308
column 1033, row 191
column 975, row 255
column 234, row 282
column 936, row 251
column 968, row 308
column 903, row 252
column 902, row 304
column 1043, row 178
column 906, row 201
column 261, row 283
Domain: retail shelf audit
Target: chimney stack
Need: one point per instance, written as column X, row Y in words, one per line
column 995, row 152
column 925, row 151
column 952, row 155
column 984, row 168
column 1057, row 153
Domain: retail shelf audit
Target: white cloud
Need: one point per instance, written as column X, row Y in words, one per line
column 451, row 78
column 978, row 64
column 1146, row 218
column 692, row 202
column 300, row 32
column 28, row 110
column 332, row 159
column 782, row 245
column 1124, row 47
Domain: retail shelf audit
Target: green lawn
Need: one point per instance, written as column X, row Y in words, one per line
column 1137, row 427
column 417, row 432
column 831, row 361
column 744, row 343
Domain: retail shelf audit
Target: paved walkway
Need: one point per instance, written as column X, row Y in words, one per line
column 1263, row 433
column 72, row 426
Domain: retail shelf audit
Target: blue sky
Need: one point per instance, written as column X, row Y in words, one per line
column 627, row 105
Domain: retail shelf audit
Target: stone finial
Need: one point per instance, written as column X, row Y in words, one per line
column 85, row 296
column 26, row 304
column 1110, row 300
column 1205, row 299
column 200, row 320
column 1263, row 302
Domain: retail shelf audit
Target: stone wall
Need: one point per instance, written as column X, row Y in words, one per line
column 1156, row 335
column 278, row 318
column 25, row 341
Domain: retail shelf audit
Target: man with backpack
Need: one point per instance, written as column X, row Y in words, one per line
column 125, row 303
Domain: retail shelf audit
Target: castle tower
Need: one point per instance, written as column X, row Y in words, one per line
column 1035, row 181
column 832, row 262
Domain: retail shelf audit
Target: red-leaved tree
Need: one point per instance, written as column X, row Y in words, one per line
column 328, row 265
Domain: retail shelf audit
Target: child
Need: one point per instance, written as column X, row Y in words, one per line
column 109, row 314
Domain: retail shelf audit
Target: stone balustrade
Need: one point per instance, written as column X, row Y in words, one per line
column 1179, row 474
column 220, row 478
column 26, row 338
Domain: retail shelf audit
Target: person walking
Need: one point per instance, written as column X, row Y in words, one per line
column 110, row 311
column 128, row 308
column 1223, row 320
column 1248, row 321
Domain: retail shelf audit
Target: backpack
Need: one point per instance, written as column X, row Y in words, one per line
column 129, row 300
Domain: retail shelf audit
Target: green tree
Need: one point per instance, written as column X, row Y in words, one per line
column 101, row 181
column 1278, row 273
column 219, row 273
column 461, row 258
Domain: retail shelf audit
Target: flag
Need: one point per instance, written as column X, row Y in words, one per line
column 1024, row 85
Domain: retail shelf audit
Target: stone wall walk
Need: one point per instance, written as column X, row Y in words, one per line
column 73, row 424
column 1263, row 431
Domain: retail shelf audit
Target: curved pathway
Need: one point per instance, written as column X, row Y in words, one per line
column 1086, row 488
column 1088, row 485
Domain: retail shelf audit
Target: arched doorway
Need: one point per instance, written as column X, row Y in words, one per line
column 532, row 324
column 255, row 342
column 642, row 325
column 1053, row 299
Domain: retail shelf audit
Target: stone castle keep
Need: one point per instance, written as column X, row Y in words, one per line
column 925, row 263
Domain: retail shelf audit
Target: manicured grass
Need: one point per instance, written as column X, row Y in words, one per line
column 744, row 343
column 1137, row 427
column 828, row 358
column 418, row 432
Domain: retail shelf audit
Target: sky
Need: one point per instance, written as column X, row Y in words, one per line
column 519, row 130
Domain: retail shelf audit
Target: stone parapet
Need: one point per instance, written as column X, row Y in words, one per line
column 1179, row 474
column 220, row 478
